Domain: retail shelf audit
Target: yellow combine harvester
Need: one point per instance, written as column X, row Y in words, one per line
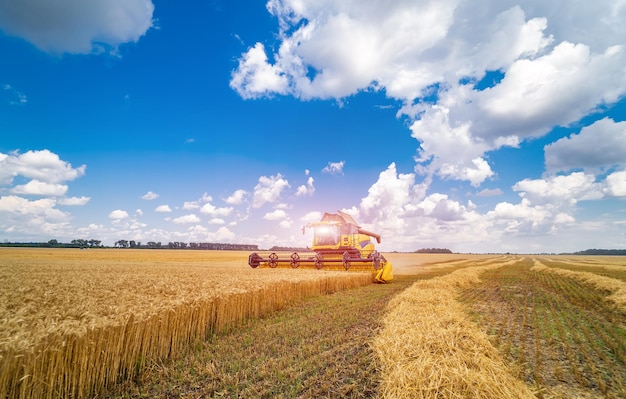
column 337, row 239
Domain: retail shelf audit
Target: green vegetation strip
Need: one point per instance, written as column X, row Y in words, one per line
column 559, row 334
column 320, row 347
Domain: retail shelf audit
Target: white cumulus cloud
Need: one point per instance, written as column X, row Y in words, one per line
column 268, row 190
column 36, row 187
column 601, row 144
column 76, row 26
column 616, row 184
column 256, row 77
column 186, row 219
column 552, row 68
column 150, row 196
column 42, row 208
column 42, row 165
column 237, row 197
column 306, row 190
column 212, row 210
column 118, row 214
column 74, row 201
column 561, row 189
column 163, row 208
column 277, row 214
column 189, row 205
column 334, row 168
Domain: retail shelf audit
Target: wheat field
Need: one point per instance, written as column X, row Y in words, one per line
column 74, row 322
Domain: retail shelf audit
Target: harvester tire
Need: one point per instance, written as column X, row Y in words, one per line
column 254, row 260
column 273, row 260
column 295, row 260
column 346, row 260
column 376, row 260
column 319, row 260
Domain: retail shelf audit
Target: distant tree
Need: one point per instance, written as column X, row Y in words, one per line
column 94, row 243
column 79, row 243
column 53, row 243
column 121, row 243
column 433, row 251
column 618, row 252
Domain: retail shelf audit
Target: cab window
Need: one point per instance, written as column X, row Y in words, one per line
column 326, row 235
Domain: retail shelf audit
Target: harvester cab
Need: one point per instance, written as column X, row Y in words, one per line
column 337, row 240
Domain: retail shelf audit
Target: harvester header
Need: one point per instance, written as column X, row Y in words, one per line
column 337, row 240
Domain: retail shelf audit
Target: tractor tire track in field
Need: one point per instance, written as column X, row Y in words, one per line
column 557, row 333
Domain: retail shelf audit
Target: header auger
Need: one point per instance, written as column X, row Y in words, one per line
column 337, row 240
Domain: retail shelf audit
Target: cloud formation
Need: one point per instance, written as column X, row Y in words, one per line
column 186, row 219
column 45, row 174
column 36, row 187
column 212, row 210
column 74, row 201
column 306, row 190
column 599, row 145
column 334, row 168
column 67, row 26
column 472, row 78
column 40, row 210
column 237, row 197
column 268, row 190
column 43, row 166
column 551, row 74
column 118, row 214
column 163, row 208
column 149, row 196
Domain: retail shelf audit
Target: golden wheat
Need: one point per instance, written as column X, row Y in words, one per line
column 417, row 263
column 75, row 322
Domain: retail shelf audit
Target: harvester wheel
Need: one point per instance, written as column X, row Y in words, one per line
column 254, row 260
column 376, row 260
column 295, row 260
column 319, row 260
column 346, row 260
column 273, row 260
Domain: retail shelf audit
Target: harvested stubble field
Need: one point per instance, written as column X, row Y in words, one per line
column 449, row 326
column 559, row 323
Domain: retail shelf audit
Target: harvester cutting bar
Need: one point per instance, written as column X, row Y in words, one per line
column 318, row 259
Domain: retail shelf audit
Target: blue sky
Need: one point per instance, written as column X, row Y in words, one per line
column 491, row 126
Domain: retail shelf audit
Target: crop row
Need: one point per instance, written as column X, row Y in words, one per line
column 556, row 330
column 428, row 348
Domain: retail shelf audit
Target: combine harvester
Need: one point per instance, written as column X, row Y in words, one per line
column 337, row 239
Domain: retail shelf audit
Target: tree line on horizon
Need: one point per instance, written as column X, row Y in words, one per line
column 433, row 251
column 619, row 252
column 92, row 243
